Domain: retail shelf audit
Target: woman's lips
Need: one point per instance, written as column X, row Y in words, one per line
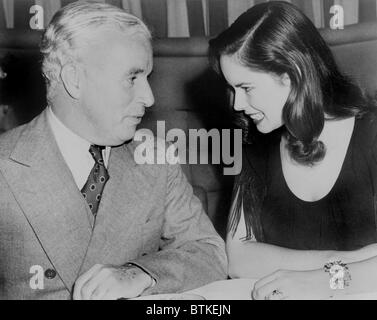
column 257, row 117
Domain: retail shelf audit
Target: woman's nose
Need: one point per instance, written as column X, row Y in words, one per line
column 240, row 103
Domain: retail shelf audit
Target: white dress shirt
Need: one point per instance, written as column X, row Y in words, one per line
column 75, row 150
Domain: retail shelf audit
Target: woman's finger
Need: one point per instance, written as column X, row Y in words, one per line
column 262, row 292
column 263, row 281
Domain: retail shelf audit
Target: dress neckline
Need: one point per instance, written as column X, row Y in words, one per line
column 334, row 186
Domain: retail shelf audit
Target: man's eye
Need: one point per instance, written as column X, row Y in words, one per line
column 132, row 79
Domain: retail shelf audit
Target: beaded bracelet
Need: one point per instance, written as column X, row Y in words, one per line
column 340, row 276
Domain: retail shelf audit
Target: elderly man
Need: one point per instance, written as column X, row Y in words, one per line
column 73, row 202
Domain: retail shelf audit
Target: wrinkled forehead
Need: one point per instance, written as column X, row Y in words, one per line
column 98, row 36
column 117, row 47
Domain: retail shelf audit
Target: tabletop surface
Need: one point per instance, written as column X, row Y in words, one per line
column 234, row 289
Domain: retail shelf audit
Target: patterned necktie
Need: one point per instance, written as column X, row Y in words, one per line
column 93, row 188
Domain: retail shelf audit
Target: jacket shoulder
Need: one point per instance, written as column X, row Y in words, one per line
column 9, row 139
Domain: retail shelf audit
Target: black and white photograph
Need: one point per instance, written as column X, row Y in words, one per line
column 200, row 150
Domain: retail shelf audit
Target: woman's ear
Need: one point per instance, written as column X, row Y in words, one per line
column 285, row 80
column 71, row 79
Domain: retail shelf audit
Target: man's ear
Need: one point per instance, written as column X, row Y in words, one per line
column 71, row 78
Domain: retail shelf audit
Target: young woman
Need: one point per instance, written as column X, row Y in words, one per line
column 304, row 212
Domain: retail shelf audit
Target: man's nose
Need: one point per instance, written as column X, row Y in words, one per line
column 147, row 95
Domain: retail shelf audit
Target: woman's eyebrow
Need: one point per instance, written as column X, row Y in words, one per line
column 241, row 84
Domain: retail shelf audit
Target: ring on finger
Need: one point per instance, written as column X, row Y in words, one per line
column 276, row 292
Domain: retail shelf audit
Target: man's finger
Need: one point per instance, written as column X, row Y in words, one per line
column 83, row 279
column 100, row 293
column 94, row 283
column 111, row 295
column 106, row 288
column 103, row 276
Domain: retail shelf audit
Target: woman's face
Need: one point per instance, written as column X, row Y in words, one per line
column 260, row 95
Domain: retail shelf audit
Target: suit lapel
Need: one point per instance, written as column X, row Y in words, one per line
column 124, row 206
column 46, row 192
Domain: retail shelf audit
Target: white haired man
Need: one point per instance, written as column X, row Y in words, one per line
column 73, row 202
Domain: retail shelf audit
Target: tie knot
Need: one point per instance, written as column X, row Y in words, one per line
column 96, row 152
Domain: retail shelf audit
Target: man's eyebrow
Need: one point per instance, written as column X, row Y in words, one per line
column 135, row 71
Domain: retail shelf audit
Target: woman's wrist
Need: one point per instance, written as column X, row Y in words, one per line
column 338, row 277
column 321, row 285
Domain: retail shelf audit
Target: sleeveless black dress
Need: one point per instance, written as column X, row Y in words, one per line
column 345, row 219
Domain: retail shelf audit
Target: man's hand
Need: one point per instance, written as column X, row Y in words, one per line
column 110, row 282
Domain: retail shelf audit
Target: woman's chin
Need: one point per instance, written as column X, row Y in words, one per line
column 265, row 127
column 262, row 127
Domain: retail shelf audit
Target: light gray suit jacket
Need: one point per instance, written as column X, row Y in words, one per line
column 148, row 215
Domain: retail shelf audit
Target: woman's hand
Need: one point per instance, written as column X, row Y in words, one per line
column 295, row 285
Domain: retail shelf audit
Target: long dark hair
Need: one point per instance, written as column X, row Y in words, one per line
column 277, row 38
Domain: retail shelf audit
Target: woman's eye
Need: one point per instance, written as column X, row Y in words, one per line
column 248, row 89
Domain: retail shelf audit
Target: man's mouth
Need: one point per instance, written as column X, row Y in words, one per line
column 136, row 118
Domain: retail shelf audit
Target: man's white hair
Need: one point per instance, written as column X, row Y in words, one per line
column 73, row 26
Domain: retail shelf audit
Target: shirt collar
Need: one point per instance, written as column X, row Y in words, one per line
column 72, row 146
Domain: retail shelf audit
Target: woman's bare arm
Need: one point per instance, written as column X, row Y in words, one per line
column 251, row 259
